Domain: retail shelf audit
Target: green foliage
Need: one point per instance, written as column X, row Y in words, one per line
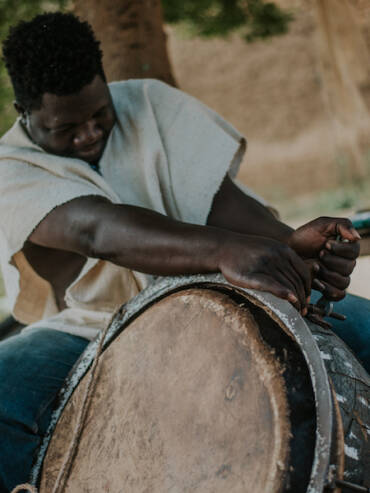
column 266, row 19
column 11, row 12
column 257, row 18
column 341, row 200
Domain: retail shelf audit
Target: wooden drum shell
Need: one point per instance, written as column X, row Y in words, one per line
column 198, row 391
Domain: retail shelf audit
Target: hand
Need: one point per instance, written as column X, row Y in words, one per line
column 334, row 259
column 316, row 315
column 266, row 265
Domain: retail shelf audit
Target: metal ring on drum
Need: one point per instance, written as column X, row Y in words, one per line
column 205, row 387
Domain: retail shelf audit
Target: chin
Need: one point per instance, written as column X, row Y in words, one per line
column 91, row 160
column 93, row 155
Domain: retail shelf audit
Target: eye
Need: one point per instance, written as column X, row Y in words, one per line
column 61, row 130
column 102, row 112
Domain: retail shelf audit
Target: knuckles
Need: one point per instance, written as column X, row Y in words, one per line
column 334, row 294
column 340, row 265
column 346, row 282
column 336, row 280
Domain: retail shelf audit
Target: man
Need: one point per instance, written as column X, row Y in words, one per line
column 102, row 187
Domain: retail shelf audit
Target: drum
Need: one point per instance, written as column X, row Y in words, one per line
column 204, row 387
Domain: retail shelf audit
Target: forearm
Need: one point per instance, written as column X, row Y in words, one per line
column 132, row 237
column 149, row 242
column 233, row 210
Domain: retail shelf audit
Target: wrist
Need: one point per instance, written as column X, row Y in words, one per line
column 299, row 244
column 222, row 242
column 286, row 235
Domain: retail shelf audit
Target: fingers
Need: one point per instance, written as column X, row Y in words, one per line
column 330, row 292
column 333, row 278
column 316, row 314
column 303, row 270
column 336, row 226
column 293, row 283
column 318, row 320
column 337, row 262
column 313, row 266
column 324, row 312
column 346, row 230
column 269, row 266
column 343, row 266
column 310, row 238
column 291, row 272
column 277, row 285
column 339, row 226
column 343, row 249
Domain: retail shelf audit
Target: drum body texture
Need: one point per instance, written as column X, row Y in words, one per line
column 203, row 387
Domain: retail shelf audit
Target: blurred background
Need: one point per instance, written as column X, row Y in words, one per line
column 292, row 75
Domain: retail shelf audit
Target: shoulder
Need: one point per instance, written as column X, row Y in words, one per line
column 17, row 137
column 152, row 89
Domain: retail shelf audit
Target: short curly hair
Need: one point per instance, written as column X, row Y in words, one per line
column 54, row 52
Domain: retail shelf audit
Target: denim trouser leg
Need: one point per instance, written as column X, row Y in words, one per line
column 33, row 367
column 355, row 330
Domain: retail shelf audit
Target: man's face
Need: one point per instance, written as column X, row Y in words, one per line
column 77, row 125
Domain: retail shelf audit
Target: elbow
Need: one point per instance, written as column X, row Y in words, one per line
column 97, row 240
column 90, row 245
column 89, row 236
column 100, row 232
column 86, row 243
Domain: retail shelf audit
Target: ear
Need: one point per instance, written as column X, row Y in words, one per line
column 19, row 108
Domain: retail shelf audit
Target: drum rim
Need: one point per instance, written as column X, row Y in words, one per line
column 280, row 311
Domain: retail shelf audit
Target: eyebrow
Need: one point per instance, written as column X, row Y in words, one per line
column 72, row 124
column 63, row 125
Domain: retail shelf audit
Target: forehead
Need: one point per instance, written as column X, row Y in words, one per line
column 57, row 110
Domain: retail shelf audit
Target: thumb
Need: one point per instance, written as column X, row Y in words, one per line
column 346, row 231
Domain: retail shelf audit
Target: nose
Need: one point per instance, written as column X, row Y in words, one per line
column 87, row 134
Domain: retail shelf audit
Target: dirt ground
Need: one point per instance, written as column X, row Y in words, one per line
column 360, row 283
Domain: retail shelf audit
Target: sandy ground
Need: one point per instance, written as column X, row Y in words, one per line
column 360, row 283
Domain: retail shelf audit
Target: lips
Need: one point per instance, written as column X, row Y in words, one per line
column 92, row 152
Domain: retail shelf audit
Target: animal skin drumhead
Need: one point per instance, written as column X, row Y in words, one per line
column 189, row 398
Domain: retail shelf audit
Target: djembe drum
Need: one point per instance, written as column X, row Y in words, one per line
column 204, row 387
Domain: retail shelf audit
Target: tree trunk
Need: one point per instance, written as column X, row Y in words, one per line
column 132, row 37
column 344, row 62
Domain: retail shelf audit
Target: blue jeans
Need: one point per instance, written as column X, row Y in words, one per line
column 33, row 367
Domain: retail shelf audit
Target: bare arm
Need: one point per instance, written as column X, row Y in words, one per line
column 129, row 236
column 316, row 242
column 232, row 209
column 149, row 242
